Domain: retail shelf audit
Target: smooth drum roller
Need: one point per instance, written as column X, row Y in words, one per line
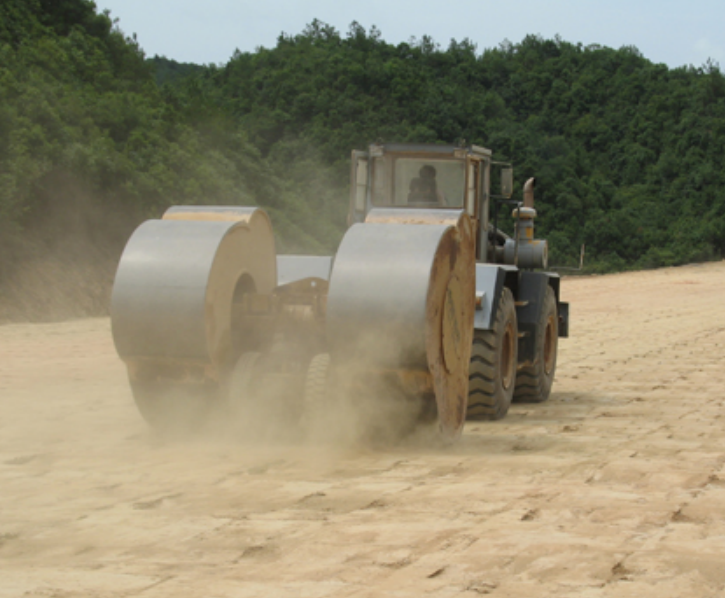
column 458, row 218
column 401, row 298
column 171, row 308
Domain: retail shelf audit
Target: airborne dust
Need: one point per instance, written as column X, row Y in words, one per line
column 614, row 487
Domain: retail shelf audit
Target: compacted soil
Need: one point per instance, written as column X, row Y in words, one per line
column 614, row 487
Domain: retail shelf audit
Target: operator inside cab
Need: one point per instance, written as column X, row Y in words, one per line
column 424, row 188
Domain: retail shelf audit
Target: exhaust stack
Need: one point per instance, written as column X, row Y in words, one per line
column 523, row 250
column 529, row 192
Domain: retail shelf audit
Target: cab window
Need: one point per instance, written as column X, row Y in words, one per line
column 416, row 182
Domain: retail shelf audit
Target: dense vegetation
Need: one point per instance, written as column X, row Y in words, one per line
column 87, row 135
column 94, row 137
column 629, row 154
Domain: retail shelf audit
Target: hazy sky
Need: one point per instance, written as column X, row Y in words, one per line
column 674, row 32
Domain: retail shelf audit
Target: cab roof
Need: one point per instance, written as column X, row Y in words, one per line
column 378, row 149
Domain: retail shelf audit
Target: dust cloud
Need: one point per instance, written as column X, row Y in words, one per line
column 614, row 487
column 59, row 262
column 352, row 409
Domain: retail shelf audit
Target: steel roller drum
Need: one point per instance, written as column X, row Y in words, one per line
column 175, row 282
column 458, row 218
column 402, row 297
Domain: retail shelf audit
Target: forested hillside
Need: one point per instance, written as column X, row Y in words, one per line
column 629, row 154
column 94, row 137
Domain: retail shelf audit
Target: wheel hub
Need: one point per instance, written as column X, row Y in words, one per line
column 507, row 365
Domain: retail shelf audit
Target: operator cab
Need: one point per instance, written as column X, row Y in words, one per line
column 426, row 176
column 419, row 183
column 430, row 177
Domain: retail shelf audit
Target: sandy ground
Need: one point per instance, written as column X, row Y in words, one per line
column 615, row 487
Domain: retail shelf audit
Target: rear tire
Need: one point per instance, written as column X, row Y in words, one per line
column 533, row 382
column 492, row 370
column 317, row 395
column 241, row 389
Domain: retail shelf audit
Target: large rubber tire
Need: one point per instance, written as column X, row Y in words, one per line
column 317, row 383
column 492, row 371
column 533, row 382
column 174, row 407
column 317, row 399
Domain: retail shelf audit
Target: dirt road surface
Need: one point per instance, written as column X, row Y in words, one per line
column 613, row 488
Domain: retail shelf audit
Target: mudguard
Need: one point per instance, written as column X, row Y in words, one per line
column 490, row 280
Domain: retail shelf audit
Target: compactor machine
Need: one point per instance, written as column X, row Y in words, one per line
column 426, row 301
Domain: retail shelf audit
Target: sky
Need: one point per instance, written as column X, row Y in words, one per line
column 676, row 33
